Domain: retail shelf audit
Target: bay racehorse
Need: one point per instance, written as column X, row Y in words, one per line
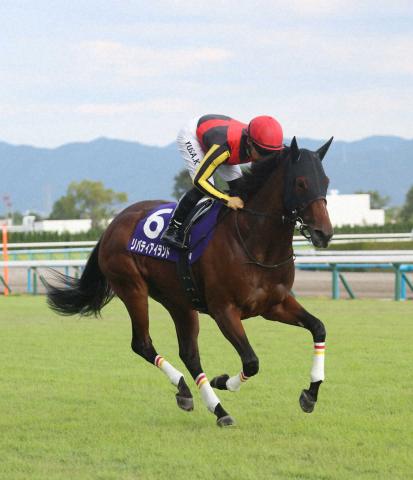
column 247, row 270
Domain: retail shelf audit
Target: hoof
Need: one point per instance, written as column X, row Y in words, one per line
column 220, row 382
column 226, row 421
column 186, row 403
column 307, row 403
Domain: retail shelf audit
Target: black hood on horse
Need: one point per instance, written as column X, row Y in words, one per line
column 304, row 182
column 305, row 179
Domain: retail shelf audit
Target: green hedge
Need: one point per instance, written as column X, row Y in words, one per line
column 387, row 228
column 23, row 237
column 372, row 246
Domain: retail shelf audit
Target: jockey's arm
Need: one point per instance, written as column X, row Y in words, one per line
column 216, row 156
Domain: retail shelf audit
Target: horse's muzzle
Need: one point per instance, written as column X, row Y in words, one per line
column 320, row 238
column 318, row 223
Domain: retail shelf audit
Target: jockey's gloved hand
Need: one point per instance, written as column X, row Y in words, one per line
column 235, row 203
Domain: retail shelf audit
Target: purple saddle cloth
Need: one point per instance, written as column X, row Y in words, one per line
column 146, row 239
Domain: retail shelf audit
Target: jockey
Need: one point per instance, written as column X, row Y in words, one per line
column 219, row 143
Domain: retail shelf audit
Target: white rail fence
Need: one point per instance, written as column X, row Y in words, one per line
column 337, row 262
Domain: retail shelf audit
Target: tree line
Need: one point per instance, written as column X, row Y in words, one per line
column 85, row 199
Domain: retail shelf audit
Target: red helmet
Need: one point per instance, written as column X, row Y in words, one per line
column 266, row 132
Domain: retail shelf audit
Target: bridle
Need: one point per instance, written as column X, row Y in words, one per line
column 295, row 219
column 291, row 218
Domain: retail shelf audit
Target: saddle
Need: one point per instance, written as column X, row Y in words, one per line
column 200, row 209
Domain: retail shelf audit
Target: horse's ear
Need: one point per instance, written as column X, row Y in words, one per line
column 323, row 150
column 295, row 151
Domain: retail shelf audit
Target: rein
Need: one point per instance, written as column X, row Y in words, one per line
column 292, row 218
column 253, row 260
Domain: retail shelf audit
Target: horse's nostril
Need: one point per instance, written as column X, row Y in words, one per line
column 323, row 233
column 322, row 237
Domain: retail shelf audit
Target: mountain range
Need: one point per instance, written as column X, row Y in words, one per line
column 34, row 178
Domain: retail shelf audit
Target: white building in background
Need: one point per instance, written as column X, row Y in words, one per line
column 71, row 226
column 60, row 226
column 352, row 209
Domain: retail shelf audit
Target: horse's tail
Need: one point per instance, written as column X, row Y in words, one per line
column 86, row 295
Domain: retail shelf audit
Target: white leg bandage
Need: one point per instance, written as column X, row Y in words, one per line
column 317, row 371
column 234, row 383
column 171, row 372
column 207, row 393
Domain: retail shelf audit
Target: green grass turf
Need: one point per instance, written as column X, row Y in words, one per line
column 76, row 403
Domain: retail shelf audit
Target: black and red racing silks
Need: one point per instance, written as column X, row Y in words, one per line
column 224, row 141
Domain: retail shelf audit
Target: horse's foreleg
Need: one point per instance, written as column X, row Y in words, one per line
column 292, row 313
column 187, row 330
column 230, row 325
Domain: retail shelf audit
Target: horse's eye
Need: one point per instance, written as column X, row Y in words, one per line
column 301, row 183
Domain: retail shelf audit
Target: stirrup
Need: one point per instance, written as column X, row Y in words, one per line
column 172, row 236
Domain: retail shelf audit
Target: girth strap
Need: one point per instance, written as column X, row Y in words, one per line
column 188, row 283
column 184, row 269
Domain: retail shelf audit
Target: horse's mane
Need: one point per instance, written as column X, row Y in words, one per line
column 254, row 177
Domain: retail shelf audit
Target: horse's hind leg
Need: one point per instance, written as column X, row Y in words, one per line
column 292, row 313
column 135, row 299
column 187, row 330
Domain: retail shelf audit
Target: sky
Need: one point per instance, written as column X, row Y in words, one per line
column 139, row 70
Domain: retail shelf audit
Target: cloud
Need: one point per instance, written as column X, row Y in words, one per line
column 138, row 61
column 159, row 105
column 348, row 116
column 8, row 109
column 349, row 53
column 166, row 105
column 318, row 64
column 278, row 10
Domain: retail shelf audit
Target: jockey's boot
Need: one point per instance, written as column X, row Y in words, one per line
column 175, row 234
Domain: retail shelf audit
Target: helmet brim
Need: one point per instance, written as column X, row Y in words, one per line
column 262, row 146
